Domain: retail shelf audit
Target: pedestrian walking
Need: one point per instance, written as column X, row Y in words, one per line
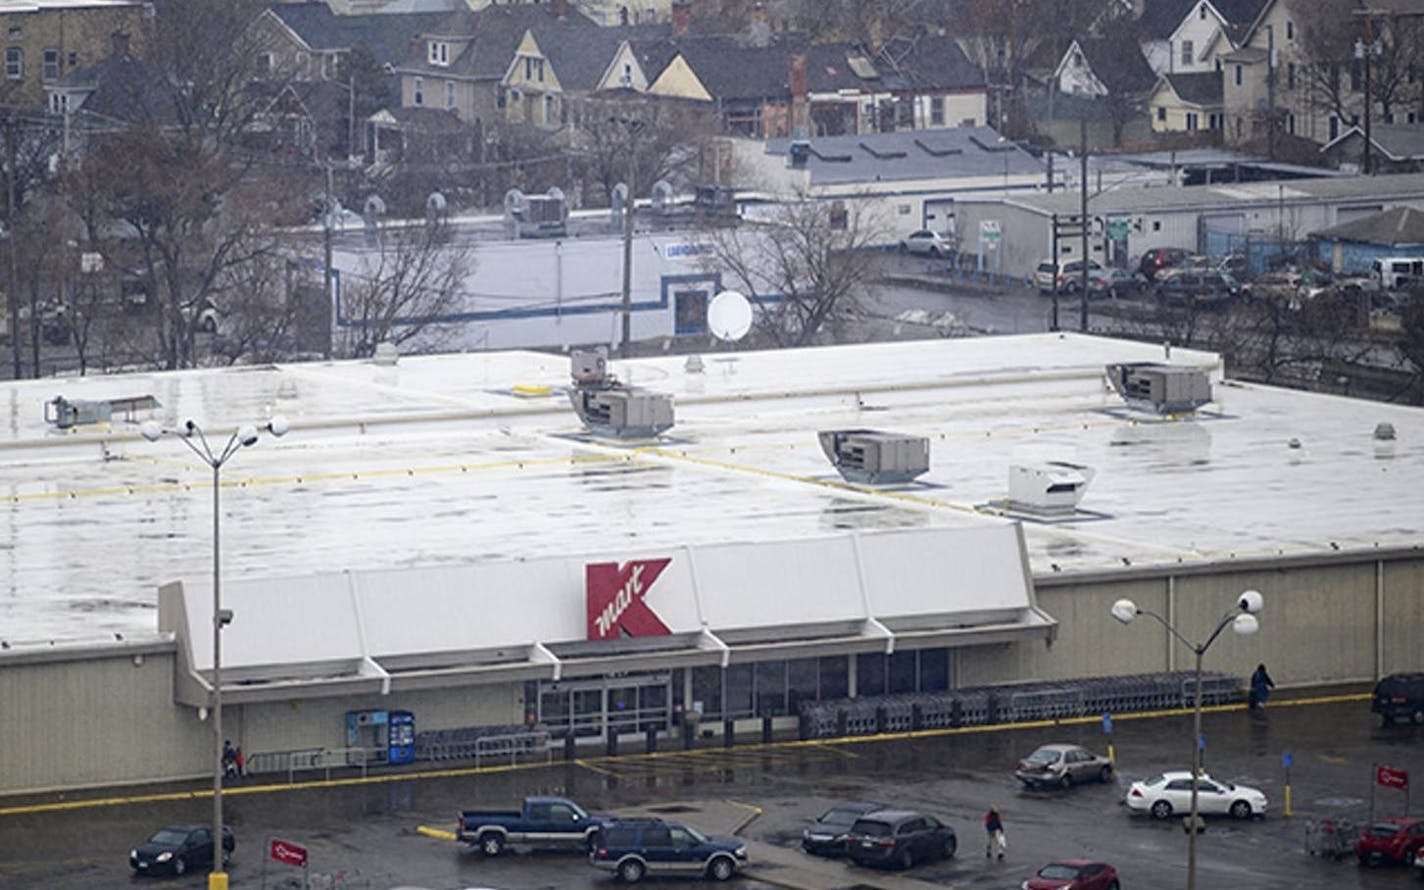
column 241, row 762
column 996, row 841
column 1261, row 686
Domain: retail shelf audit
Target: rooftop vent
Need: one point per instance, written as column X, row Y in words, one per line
column 1053, row 488
column 1165, row 389
column 609, row 408
column 64, row 414
column 874, row 457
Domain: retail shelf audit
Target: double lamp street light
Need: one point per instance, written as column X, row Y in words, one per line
column 192, row 435
column 1242, row 620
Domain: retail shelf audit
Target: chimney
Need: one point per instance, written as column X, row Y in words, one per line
column 561, row 8
column 681, row 17
column 800, row 123
column 121, row 43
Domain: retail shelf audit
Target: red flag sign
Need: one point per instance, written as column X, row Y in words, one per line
column 288, row 852
column 615, row 599
column 1390, row 777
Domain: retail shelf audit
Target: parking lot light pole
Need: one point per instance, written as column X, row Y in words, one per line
column 1242, row 620
column 192, row 435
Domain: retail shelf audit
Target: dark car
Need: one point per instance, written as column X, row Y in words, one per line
column 1390, row 840
column 1074, row 874
column 1159, row 259
column 1196, row 287
column 632, row 848
column 827, row 835
column 179, row 848
column 899, row 838
column 1399, row 697
column 1060, row 766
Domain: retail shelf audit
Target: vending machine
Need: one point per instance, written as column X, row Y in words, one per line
column 390, row 735
column 401, row 736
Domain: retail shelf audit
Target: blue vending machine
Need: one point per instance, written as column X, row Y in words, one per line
column 401, row 737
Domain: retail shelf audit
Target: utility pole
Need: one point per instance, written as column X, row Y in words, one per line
column 1083, row 216
column 1271, row 92
column 327, row 306
column 634, row 127
column 13, row 297
column 1369, row 47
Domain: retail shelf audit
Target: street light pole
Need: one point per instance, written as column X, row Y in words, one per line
column 1242, row 620
column 192, row 435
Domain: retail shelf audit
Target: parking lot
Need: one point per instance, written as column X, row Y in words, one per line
column 369, row 834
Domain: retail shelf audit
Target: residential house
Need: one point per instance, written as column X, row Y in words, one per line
column 1186, row 102
column 1209, row 29
column 611, row 13
column 933, row 82
column 748, row 84
column 1157, row 21
column 1095, row 67
column 307, row 41
column 1351, row 246
column 48, row 39
column 1394, row 148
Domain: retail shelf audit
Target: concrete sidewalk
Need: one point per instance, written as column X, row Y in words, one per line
column 769, row 863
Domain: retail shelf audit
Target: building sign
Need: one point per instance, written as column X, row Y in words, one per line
column 678, row 251
column 1390, row 777
column 288, row 852
column 616, row 607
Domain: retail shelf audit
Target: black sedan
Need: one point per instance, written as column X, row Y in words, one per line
column 827, row 835
column 899, row 838
column 179, row 848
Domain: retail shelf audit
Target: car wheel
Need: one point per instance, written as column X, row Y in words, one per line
column 906, row 859
column 934, row 251
column 180, row 866
column 1241, row 810
column 1161, row 810
column 721, row 869
column 1066, row 782
column 491, row 844
column 951, row 846
column 1417, row 716
column 1105, row 775
column 630, row 871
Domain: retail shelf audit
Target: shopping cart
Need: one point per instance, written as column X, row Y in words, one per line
column 1332, row 838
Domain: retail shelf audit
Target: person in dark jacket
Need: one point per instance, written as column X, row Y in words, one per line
column 994, row 828
column 1261, row 686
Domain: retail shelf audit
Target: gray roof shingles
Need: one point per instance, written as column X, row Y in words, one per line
column 1202, row 88
column 911, row 154
column 1396, row 227
column 388, row 35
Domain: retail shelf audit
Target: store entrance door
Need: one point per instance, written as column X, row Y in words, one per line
column 589, row 708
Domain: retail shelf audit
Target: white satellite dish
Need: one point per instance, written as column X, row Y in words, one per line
column 729, row 316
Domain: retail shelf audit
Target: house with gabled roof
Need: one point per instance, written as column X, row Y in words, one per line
column 1209, row 29
column 307, row 41
column 45, row 40
column 1098, row 66
column 114, row 92
column 1186, row 103
column 1395, row 148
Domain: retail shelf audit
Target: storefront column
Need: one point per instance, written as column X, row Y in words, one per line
column 852, row 689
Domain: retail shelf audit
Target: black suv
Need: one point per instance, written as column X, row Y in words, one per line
column 631, row 848
column 178, row 848
column 1399, row 697
column 899, row 838
column 1199, row 287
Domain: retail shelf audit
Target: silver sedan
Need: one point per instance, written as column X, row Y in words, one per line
column 1060, row 766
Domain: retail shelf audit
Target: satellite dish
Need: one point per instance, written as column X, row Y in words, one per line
column 729, row 316
column 513, row 201
column 662, row 196
column 434, row 207
column 620, row 196
column 374, row 206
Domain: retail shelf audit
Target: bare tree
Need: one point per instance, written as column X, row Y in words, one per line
column 1394, row 50
column 406, row 286
column 802, row 265
column 665, row 138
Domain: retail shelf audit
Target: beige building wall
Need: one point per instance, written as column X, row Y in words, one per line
column 678, row 80
column 80, row 35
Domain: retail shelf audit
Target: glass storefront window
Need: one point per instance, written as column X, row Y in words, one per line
column 934, row 670
column 707, row 688
column 870, row 673
column 770, row 688
column 737, row 683
column 835, row 676
column 800, row 683
column 903, row 670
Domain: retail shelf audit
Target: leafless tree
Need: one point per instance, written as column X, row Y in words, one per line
column 802, row 265
column 665, row 138
column 405, row 286
column 1332, row 73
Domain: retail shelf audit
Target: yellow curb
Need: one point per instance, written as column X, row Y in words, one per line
column 437, row 833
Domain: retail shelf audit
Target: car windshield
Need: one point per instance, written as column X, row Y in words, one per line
column 696, row 835
column 1043, row 756
column 872, row 827
column 1384, row 829
column 1155, row 781
column 840, row 816
column 1058, row 872
column 168, row 837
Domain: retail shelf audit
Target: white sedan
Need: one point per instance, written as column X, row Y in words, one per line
column 926, row 242
column 1171, row 793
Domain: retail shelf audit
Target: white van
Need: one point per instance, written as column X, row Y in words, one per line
column 1397, row 272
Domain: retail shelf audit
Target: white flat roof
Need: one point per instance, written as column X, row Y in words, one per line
column 437, row 462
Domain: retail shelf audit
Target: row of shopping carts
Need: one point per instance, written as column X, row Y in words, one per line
column 1331, row 838
column 984, row 705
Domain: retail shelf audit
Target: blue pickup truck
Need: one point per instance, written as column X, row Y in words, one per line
column 540, row 822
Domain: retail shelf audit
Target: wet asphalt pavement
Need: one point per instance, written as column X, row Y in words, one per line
column 365, row 836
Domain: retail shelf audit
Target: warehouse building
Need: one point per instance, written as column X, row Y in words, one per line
column 439, row 539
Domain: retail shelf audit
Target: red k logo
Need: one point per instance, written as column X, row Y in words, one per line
column 615, row 599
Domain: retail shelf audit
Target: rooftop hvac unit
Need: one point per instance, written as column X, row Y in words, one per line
column 64, row 414
column 1049, row 488
column 588, row 368
column 624, row 413
column 874, row 457
column 1165, row 389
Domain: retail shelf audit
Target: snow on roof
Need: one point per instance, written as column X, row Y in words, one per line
column 439, row 461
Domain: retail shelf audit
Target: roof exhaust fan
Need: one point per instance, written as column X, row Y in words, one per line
column 1053, row 488
column 611, row 409
column 1163, row 389
column 876, row 458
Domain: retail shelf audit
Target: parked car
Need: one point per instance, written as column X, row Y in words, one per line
column 632, row 848
column 1158, row 259
column 1074, row 874
column 1399, row 697
column 1060, row 766
column 1187, row 286
column 1419, row 865
column 177, row 849
column 827, row 835
column 926, row 242
column 899, row 838
column 1171, row 792
column 1390, row 840
column 1069, row 275
column 538, row 822
column 1114, row 283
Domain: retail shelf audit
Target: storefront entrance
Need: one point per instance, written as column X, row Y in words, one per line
column 588, row 708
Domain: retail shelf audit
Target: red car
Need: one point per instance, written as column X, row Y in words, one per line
column 1390, row 840
column 1159, row 259
column 1074, row 874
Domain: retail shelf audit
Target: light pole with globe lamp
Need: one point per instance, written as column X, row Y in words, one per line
column 192, row 435
column 1242, row 620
